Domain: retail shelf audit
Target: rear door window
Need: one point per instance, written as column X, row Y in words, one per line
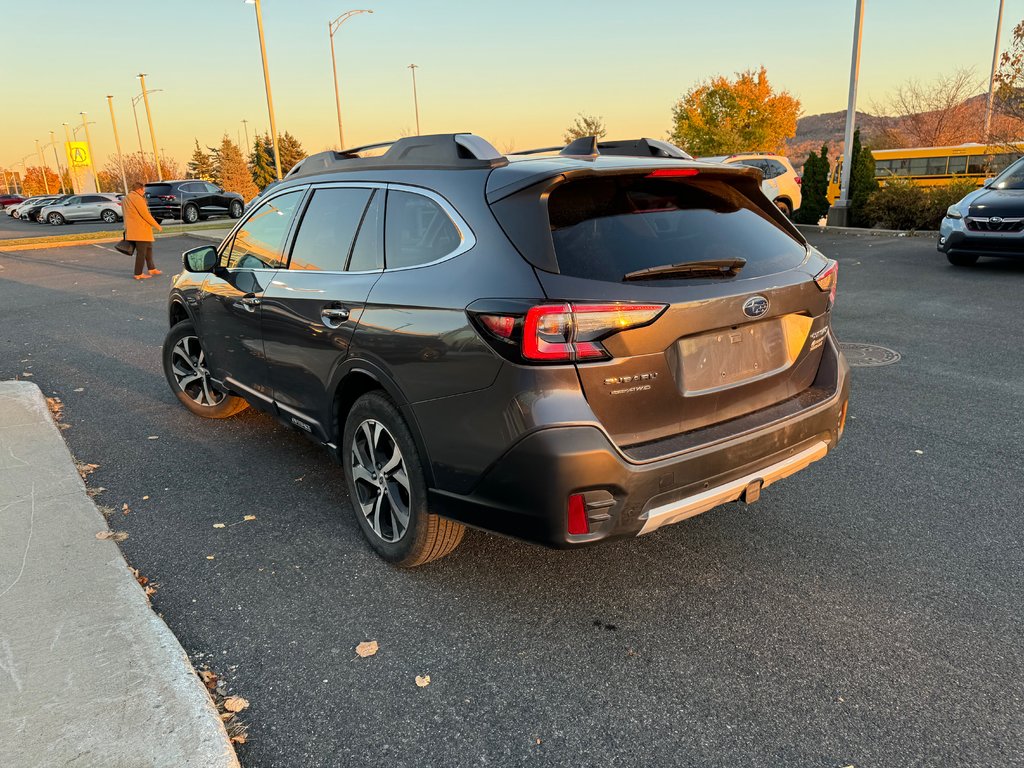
column 153, row 190
column 328, row 228
column 417, row 231
column 259, row 243
column 605, row 228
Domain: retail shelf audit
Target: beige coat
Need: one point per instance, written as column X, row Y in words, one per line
column 138, row 221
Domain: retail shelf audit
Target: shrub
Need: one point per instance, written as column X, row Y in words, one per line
column 900, row 204
column 940, row 198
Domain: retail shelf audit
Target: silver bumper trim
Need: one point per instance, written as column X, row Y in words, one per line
column 673, row 512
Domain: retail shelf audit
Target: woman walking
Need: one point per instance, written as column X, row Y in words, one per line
column 138, row 230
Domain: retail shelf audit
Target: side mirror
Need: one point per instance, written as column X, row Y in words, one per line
column 201, row 259
column 988, row 182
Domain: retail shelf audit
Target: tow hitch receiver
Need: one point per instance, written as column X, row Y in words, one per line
column 752, row 492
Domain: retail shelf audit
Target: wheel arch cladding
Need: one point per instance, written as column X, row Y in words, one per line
column 177, row 313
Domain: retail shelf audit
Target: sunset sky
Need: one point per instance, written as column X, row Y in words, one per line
column 513, row 72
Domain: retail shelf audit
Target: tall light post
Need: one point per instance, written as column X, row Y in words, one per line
column 245, row 125
column 839, row 213
column 46, row 171
column 56, row 159
column 152, row 132
column 24, row 165
column 266, row 81
column 135, row 114
column 92, row 157
column 117, row 143
column 415, row 98
column 72, row 169
column 992, row 78
column 332, row 27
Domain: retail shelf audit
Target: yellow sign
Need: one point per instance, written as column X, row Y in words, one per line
column 78, row 154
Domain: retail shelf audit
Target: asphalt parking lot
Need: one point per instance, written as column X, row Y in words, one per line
column 866, row 612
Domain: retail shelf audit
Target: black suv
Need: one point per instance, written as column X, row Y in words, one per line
column 191, row 200
column 563, row 346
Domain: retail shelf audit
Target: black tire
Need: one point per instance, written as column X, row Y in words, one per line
column 236, row 209
column 783, row 206
column 962, row 259
column 190, row 214
column 425, row 536
column 108, row 216
column 55, row 219
column 221, row 404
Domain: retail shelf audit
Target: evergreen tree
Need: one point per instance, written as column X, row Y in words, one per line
column 862, row 181
column 201, row 166
column 291, row 151
column 233, row 173
column 261, row 161
column 814, row 189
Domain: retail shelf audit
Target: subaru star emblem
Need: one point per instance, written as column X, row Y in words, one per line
column 755, row 306
column 995, row 220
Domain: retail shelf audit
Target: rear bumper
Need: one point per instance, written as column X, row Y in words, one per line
column 525, row 493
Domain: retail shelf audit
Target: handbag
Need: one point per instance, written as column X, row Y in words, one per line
column 127, row 247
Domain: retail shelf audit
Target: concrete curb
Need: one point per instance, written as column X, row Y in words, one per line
column 89, row 674
column 871, row 232
column 32, row 243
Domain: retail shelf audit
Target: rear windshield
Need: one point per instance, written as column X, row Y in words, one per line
column 605, row 228
column 159, row 189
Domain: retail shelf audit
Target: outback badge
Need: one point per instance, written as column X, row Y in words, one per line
column 755, row 306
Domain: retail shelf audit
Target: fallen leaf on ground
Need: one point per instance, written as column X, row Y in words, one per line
column 209, row 678
column 145, row 498
column 209, row 557
column 218, row 525
column 113, row 535
column 249, row 517
column 80, row 389
column 919, row 453
column 124, row 509
column 85, row 469
column 153, row 437
column 423, row 681
column 95, row 491
column 238, row 738
column 56, row 407
column 366, row 649
column 235, row 703
column 27, row 375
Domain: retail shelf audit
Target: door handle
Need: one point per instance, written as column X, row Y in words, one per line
column 333, row 317
column 250, row 303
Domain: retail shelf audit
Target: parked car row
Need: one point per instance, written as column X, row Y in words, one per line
column 65, row 209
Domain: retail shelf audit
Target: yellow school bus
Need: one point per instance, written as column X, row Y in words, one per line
column 935, row 166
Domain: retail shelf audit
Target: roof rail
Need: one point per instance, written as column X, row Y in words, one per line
column 592, row 146
column 442, row 151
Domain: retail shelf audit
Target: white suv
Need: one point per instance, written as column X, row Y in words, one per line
column 781, row 183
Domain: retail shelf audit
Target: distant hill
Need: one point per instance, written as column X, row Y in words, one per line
column 828, row 128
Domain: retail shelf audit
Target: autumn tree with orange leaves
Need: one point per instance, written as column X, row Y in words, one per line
column 723, row 116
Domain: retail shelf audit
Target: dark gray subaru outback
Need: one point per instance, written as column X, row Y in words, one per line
column 567, row 346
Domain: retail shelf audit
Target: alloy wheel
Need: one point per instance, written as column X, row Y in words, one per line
column 188, row 364
column 109, row 216
column 381, row 480
column 191, row 215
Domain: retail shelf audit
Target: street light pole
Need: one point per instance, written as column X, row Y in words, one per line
column 266, row 81
column 333, row 27
column 839, row 214
column 415, row 98
column 56, row 159
column 152, row 132
column 245, row 125
column 992, row 78
column 92, row 157
column 73, row 169
column 117, row 143
column 42, row 160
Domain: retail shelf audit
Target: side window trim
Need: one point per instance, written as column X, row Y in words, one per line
column 229, row 241
column 301, row 214
column 468, row 239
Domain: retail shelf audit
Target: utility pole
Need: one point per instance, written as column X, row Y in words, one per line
column 415, row 98
column 839, row 214
column 245, row 125
column 117, row 143
column 92, row 157
column 46, row 181
column 332, row 27
column 266, row 81
column 992, row 78
column 152, row 133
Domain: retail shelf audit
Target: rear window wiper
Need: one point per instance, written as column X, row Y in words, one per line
column 706, row 268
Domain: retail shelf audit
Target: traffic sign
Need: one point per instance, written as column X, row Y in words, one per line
column 78, row 154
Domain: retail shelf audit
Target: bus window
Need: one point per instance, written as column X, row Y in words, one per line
column 883, row 168
column 936, row 166
column 918, row 166
column 901, row 167
column 958, row 164
column 978, row 164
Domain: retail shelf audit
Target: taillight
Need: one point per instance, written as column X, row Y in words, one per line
column 799, row 180
column 562, row 333
column 827, row 280
column 577, row 509
column 668, row 173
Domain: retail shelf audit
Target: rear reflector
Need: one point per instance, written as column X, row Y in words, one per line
column 668, row 173
column 799, row 180
column 578, row 523
column 828, row 279
column 500, row 325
